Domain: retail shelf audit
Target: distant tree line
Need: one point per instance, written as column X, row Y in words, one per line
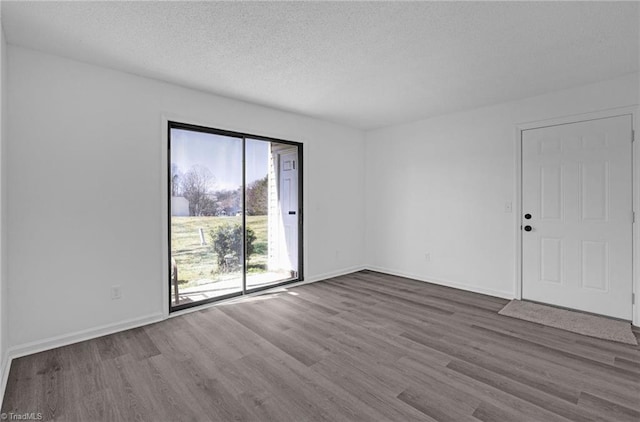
column 258, row 197
column 197, row 187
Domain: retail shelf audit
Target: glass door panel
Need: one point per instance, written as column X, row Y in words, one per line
column 272, row 213
column 206, row 227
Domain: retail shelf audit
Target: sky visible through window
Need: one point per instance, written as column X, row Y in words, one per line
column 222, row 155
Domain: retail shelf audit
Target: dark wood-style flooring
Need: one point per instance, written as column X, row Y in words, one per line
column 361, row 347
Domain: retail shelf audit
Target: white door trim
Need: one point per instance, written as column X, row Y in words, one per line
column 634, row 111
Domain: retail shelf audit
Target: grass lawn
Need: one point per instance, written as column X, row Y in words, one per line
column 197, row 262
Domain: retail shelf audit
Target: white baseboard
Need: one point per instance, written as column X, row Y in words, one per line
column 447, row 283
column 82, row 335
column 332, row 274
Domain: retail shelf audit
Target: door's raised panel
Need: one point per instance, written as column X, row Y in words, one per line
column 286, row 195
column 594, row 181
column 595, row 265
column 551, row 260
column 594, row 140
column 571, row 142
column 288, row 242
column 550, row 193
column 549, row 146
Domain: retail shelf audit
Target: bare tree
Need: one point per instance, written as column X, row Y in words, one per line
column 176, row 177
column 196, row 185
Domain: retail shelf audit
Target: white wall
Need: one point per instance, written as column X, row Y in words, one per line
column 440, row 185
column 84, row 140
column 3, row 267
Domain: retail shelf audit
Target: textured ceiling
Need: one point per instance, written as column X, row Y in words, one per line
column 366, row 65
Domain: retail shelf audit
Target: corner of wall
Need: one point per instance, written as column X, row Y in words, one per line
column 4, row 357
column 365, row 196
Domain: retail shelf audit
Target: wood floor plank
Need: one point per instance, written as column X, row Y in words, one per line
column 398, row 298
column 489, row 413
column 370, row 393
column 575, row 359
column 628, row 352
column 126, row 393
column 109, row 347
column 627, row 364
column 556, row 339
column 608, row 408
column 465, row 386
column 297, row 349
column 96, row 407
column 435, row 405
column 556, row 372
column 496, row 366
column 311, row 305
column 541, row 399
column 361, row 347
column 138, row 343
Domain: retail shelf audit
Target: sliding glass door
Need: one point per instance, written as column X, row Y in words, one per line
column 234, row 220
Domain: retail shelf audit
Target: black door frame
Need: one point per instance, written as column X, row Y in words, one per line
column 243, row 137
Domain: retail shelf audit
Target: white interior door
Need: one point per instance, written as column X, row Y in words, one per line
column 289, row 207
column 577, row 216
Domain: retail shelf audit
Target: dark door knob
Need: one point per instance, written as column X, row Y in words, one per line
column 527, row 216
column 528, row 228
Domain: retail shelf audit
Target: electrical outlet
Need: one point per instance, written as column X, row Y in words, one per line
column 116, row 292
column 427, row 256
